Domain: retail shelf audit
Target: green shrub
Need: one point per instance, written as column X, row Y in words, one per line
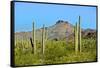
column 55, row 52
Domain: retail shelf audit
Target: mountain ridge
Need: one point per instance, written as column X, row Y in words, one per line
column 60, row 30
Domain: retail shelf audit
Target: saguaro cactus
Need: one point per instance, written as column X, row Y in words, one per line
column 46, row 34
column 79, row 34
column 77, row 28
column 76, row 38
column 43, row 39
column 34, row 43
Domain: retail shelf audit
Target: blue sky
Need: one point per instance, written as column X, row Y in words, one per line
column 48, row 14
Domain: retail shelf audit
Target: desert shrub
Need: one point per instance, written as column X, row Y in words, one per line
column 55, row 52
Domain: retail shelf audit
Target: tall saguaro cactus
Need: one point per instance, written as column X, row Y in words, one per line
column 80, row 34
column 43, row 39
column 77, row 28
column 76, row 38
column 34, row 42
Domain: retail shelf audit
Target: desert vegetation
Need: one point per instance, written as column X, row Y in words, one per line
column 79, row 48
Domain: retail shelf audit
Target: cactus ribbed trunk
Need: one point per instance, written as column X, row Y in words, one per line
column 76, row 38
column 80, row 35
column 43, row 39
column 34, row 43
column 46, row 34
column 78, row 47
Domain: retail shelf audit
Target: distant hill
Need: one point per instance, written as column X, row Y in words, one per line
column 59, row 31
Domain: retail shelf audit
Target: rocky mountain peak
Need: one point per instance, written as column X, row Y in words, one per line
column 61, row 21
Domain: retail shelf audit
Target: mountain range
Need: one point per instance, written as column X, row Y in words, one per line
column 59, row 31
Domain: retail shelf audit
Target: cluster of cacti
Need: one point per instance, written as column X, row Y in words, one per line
column 45, row 51
column 33, row 40
column 77, row 31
